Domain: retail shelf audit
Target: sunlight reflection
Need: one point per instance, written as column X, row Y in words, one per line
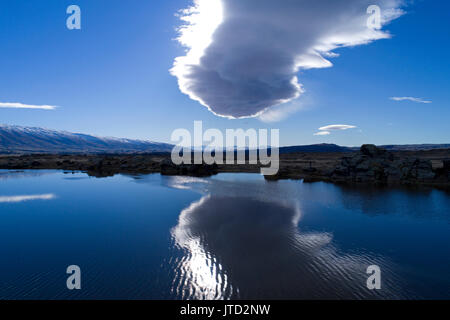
column 200, row 271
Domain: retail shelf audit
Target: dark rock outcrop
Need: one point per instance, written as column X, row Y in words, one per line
column 378, row 166
column 168, row 168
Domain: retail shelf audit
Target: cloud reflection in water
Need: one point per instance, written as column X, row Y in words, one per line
column 242, row 240
column 22, row 198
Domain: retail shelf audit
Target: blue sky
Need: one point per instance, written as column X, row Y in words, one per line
column 111, row 78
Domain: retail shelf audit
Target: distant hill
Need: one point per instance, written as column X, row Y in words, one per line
column 21, row 140
column 415, row 147
column 324, row 147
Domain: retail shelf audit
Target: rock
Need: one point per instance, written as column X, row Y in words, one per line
column 95, row 166
column 425, row 175
column 437, row 164
column 341, row 170
column 168, row 168
column 371, row 150
column 422, row 170
column 363, row 166
column 446, row 164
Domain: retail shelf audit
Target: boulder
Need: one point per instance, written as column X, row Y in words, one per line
column 371, row 150
column 446, row 164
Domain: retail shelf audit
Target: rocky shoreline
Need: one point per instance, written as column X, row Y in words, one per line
column 376, row 166
column 370, row 165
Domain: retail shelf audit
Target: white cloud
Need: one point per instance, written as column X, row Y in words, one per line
column 337, row 127
column 243, row 56
column 16, row 105
column 322, row 133
column 418, row 100
column 12, row 199
column 326, row 130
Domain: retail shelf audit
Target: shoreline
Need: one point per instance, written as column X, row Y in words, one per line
column 369, row 166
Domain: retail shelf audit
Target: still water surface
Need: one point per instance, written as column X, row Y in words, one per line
column 232, row 236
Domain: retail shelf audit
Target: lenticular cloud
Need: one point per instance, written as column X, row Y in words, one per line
column 243, row 56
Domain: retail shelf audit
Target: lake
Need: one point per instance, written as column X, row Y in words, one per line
column 231, row 236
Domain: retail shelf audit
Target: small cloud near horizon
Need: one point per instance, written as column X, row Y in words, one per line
column 17, row 105
column 322, row 133
column 418, row 100
column 326, row 130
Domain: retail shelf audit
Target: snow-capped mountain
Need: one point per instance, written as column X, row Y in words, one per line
column 17, row 139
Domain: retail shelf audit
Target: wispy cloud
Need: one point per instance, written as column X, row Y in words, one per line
column 280, row 112
column 326, row 130
column 418, row 100
column 17, row 105
column 13, row 199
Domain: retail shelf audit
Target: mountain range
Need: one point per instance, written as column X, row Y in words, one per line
column 22, row 140
column 28, row 140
